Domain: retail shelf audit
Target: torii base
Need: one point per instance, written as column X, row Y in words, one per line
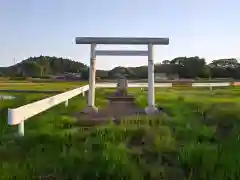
column 90, row 109
column 151, row 110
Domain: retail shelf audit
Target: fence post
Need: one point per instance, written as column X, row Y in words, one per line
column 21, row 128
column 66, row 103
column 83, row 93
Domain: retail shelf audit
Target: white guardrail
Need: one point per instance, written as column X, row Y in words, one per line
column 18, row 115
column 113, row 85
column 211, row 84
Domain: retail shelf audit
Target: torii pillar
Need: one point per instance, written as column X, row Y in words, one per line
column 93, row 41
column 92, row 78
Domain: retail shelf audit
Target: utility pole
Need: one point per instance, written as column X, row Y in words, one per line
column 14, row 63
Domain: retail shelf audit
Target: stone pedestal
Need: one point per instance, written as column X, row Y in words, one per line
column 120, row 105
column 127, row 98
column 90, row 109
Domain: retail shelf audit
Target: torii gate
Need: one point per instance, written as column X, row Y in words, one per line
column 150, row 42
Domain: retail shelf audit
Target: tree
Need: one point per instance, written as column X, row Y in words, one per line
column 206, row 73
column 225, row 68
column 140, row 72
column 225, row 63
column 166, row 62
column 191, row 67
column 185, row 67
column 32, row 69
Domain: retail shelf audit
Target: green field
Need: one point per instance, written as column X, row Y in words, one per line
column 196, row 138
column 27, row 85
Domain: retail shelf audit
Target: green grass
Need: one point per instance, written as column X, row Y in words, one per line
column 196, row 138
column 26, row 85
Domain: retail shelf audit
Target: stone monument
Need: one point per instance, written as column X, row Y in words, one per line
column 121, row 94
column 122, row 86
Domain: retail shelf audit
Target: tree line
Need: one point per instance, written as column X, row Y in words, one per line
column 184, row 67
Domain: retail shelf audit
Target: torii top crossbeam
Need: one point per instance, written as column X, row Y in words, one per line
column 122, row 40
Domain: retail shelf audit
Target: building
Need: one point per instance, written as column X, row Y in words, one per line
column 69, row 76
column 161, row 76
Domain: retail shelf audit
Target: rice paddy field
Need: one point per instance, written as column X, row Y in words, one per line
column 196, row 137
column 28, row 85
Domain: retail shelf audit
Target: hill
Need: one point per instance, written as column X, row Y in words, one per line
column 44, row 66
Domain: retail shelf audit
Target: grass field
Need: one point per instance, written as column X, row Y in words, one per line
column 22, row 85
column 196, row 138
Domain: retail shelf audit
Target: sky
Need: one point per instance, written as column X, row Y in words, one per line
column 206, row 28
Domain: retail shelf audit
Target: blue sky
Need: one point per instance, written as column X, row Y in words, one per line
column 207, row 28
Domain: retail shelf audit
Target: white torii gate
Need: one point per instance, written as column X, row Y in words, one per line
column 150, row 42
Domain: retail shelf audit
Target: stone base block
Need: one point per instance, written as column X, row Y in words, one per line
column 90, row 109
column 151, row 110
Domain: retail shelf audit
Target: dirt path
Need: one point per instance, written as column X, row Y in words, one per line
column 114, row 110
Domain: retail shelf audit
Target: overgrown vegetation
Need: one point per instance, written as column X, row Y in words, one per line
column 196, row 138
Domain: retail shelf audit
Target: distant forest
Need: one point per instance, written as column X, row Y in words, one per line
column 185, row 67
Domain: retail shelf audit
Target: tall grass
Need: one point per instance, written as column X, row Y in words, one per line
column 196, row 137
